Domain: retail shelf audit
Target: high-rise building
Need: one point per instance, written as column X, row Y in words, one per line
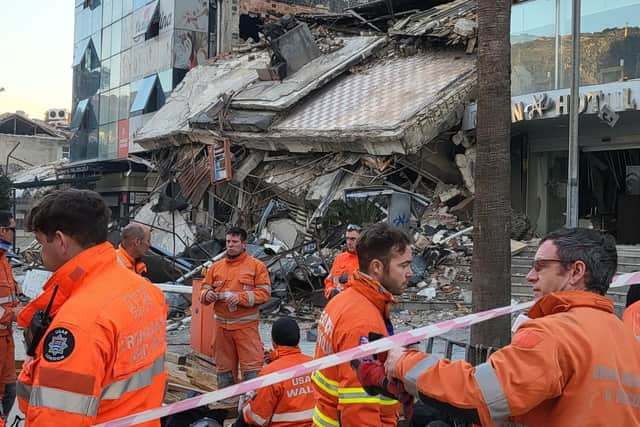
column 128, row 57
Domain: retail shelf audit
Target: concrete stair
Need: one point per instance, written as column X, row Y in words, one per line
column 628, row 261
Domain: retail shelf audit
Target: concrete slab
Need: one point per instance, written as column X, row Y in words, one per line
column 279, row 96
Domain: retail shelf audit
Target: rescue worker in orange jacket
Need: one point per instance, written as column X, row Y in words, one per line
column 355, row 316
column 288, row 403
column 631, row 315
column 102, row 356
column 135, row 242
column 574, row 364
column 9, row 308
column 344, row 264
column 237, row 284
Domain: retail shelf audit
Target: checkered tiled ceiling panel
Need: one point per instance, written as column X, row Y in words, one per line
column 379, row 97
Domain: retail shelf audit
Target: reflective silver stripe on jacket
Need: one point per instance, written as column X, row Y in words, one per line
column 265, row 287
column 329, row 386
column 252, row 298
column 23, row 390
column 255, row 417
column 255, row 316
column 121, row 261
column 334, row 280
column 137, row 381
column 492, row 391
column 322, row 420
column 63, row 400
column 10, row 298
column 292, row 416
column 411, row 379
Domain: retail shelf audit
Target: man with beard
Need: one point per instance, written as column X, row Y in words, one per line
column 352, row 318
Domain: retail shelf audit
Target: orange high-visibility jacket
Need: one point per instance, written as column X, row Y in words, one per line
column 102, row 357
column 345, row 323
column 246, row 276
column 575, row 364
column 128, row 262
column 631, row 318
column 344, row 264
column 285, row 404
column 8, row 297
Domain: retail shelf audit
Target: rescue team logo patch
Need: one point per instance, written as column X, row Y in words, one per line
column 58, row 345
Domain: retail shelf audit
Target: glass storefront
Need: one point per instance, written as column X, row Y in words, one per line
column 541, row 43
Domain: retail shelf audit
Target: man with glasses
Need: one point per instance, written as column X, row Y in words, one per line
column 9, row 309
column 573, row 364
column 344, row 264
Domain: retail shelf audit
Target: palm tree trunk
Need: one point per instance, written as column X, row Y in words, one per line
column 491, row 265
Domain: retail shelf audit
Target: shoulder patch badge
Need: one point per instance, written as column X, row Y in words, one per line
column 58, row 345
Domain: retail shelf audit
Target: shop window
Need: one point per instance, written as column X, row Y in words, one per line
column 149, row 97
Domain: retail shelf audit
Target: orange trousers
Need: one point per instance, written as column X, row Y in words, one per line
column 238, row 347
column 7, row 362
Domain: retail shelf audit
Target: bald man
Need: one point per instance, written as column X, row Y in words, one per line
column 136, row 240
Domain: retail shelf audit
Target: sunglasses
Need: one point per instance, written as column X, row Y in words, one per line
column 353, row 227
column 540, row 264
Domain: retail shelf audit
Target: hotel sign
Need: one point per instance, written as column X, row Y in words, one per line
column 603, row 100
column 614, row 97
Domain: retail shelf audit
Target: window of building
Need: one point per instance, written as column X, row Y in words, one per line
column 541, row 43
column 79, row 114
column 66, row 151
column 90, row 4
column 86, row 56
column 147, row 21
column 149, row 97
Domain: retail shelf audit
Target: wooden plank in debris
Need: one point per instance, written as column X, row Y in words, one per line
column 176, row 358
column 471, row 45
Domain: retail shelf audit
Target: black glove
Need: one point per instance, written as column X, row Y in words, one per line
column 333, row 293
column 343, row 279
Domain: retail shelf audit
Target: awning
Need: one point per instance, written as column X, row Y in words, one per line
column 81, row 49
column 145, row 18
column 79, row 113
column 149, row 87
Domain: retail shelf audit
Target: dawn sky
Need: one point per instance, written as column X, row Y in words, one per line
column 36, row 51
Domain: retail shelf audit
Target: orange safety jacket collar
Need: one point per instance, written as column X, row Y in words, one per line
column 68, row 277
column 373, row 291
column 560, row 302
column 283, row 351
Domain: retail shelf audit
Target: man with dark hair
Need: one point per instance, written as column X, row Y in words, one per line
column 288, row 403
column 344, row 264
column 96, row 335
column 136, row 241
column 574, row 363
column 237, row 285
column 9, row 308
column 355, row 316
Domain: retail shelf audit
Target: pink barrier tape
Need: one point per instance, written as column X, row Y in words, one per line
column 399, row 340
column 626, row 279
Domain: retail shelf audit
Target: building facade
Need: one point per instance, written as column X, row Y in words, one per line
column 128, row 57
column 609, row 121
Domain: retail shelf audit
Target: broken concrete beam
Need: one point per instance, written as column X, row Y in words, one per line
column 250, row 121
column 465, row 27
column 464, row 209
column 451, row 196
column 458, row 137
column 466, row 163
column 247, row 166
